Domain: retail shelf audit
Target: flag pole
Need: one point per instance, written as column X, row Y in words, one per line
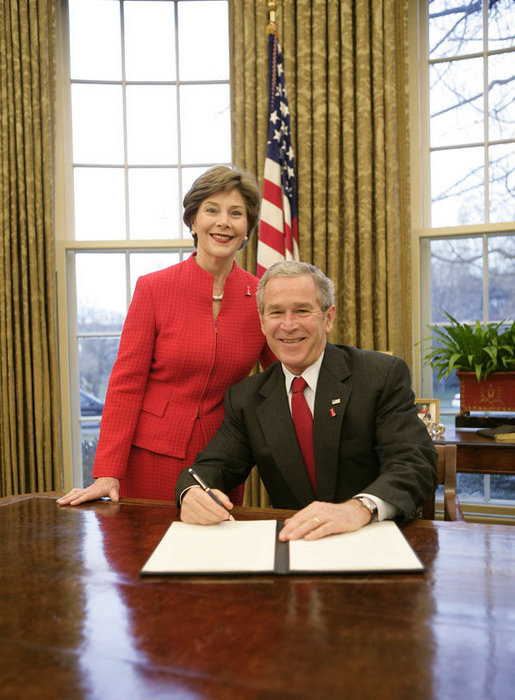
column 278, row 237
column 273, row 31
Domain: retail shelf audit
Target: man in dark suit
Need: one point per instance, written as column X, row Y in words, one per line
column 373, row 457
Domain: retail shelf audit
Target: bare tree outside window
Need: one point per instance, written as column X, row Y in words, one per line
column 472, row 150
column 472, row 111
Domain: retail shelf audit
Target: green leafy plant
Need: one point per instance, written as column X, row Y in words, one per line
column 471, row 348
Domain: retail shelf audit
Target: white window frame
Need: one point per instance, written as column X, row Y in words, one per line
column 66, row 247
column 420, row 202
column 422, row 232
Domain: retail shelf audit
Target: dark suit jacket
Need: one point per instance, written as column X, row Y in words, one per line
column 375, row 442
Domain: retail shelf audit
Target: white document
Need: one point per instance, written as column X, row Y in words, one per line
column 230, row 547
column 250, row 547
column 376, row 547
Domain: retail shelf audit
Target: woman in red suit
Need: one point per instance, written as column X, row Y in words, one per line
column 191, row 331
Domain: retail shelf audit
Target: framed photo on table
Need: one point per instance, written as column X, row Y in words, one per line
column 428, row 410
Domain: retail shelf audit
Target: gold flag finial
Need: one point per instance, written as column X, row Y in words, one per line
column 272, row 22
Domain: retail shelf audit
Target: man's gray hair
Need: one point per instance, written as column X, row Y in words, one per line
column 292, row 268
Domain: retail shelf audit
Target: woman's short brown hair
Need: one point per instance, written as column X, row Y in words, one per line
column 222, row 178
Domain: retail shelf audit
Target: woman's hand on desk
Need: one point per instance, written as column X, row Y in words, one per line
column 103, row 486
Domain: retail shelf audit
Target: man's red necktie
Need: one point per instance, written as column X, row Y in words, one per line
column 303, row 422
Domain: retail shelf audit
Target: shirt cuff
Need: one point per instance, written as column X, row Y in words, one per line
column 385, row 510
column 193, row 486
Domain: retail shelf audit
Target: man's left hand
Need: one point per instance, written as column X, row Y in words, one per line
column 320, row 519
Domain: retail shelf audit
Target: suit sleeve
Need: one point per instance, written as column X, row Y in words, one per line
column 227, row 459
column 407, row 457
column 127, row 385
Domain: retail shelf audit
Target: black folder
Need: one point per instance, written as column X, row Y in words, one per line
column 253, row 547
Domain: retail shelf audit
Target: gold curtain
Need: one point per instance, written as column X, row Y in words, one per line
column 29, row 438
column 346, row 74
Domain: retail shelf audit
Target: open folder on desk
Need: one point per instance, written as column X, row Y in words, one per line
column 251, row 547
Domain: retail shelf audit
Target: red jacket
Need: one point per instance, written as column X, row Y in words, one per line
column 175, row 362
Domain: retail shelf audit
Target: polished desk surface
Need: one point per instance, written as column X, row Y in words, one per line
column 78, row 621
column 476, row 453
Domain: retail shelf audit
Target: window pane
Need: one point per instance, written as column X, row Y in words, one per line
column 95, row 22
column 99, row 204
column 197, row 59
column 188, row 176
column 447, row 391
column 501, row 96
column 96, row 360
column 456, row 102
column 205, row 124
column 471, row 487
column 502, row 487
column 88, row 442
column 149, row 41
column 153, row 203
column 501, row 25
column 501, row 278
column 143, row 263
column 457, row 187
column 455, row 28
column 101, row 296
column 151, row 125
column 502, row 182
column 456, row 278
column 97, row 124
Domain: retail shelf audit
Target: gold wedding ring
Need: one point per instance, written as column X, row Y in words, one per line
column 316, row 520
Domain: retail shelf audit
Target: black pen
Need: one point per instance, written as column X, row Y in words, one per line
column 206, row 488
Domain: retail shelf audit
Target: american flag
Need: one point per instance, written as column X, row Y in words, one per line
column 278, row 236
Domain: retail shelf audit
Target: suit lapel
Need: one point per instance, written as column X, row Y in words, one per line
column 332, row 396
column 275, row 419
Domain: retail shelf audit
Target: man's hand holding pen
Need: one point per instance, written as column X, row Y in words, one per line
column 203, row 505
column 198, row 507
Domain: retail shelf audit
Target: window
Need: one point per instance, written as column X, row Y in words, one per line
column 471, row 111
column 464, row 220
column 147, row 109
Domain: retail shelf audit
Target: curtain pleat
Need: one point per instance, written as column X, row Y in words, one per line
column 346, row 77
column 30, row 458
column 249, row 93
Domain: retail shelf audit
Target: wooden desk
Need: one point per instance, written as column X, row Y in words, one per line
column 480, row 454
column 78, row 621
